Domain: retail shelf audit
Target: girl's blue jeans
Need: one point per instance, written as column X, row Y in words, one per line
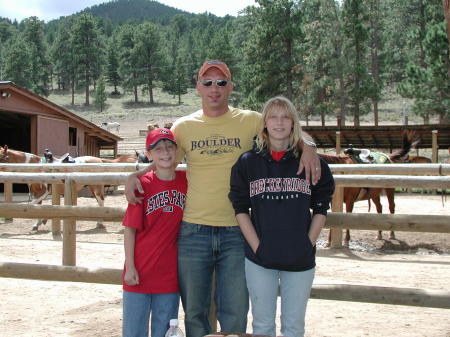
column 263, row 286
column 136, row 313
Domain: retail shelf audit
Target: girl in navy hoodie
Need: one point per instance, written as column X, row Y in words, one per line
column 281, row 217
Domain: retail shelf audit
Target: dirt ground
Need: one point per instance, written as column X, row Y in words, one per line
column 42, row 309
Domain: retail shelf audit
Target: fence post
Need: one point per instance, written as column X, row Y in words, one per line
column 336, row 203
column 434, row 149
column 69, row 226
column 8, row 193
column 56, row 200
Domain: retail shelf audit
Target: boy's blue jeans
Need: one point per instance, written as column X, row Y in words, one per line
column 136, row 313
column 203, row 249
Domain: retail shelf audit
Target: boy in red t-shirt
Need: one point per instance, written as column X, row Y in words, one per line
column 150, row 279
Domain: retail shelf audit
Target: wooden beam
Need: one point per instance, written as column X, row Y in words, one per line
column 335, row 292
column 392, row 181
column 338, row 220
column 69, row 226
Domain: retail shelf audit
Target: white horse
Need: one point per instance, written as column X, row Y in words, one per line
column 111, row 125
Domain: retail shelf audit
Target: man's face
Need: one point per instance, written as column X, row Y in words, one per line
column 214, row 97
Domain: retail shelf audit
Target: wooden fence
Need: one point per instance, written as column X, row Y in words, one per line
column 388, row 176
column 334, row 292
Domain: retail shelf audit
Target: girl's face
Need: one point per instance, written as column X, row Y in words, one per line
column 279, row 124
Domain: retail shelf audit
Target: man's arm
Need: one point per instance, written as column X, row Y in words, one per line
column 133, row 184
column 309, row 160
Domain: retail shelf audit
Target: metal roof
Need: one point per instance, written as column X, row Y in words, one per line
column 378, row 137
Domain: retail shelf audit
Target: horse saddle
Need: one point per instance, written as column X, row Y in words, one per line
column 66, row 158
column 363, row 156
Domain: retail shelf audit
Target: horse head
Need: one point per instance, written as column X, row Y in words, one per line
column 48, row 156
column 141, row 157
column 4, row 157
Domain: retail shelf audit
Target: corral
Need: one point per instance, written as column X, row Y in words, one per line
column 103, row 249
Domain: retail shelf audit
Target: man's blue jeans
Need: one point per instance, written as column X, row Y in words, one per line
column 201, row 251
column 136, row 313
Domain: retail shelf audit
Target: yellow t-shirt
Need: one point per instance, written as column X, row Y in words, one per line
column 211, row 146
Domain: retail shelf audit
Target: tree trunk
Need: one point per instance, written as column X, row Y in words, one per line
column 375, row 62
column 289, row 46
column 150, row 90
column 87, row 88
column 73, row 92
column 375, row 112
column 342, row 109
column 446, row 5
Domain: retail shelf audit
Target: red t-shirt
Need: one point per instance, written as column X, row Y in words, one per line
column 277, row 155
column 157, row 221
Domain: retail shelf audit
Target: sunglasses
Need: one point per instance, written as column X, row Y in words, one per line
column 219, row 83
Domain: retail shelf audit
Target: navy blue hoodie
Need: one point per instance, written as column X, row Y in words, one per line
column 281, row 202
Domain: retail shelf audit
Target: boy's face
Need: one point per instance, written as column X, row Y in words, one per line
column 163, row 154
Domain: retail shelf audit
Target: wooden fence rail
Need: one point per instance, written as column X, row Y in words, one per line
column 357, row 221
column 405, row 169
column 117, row 178
column 335, row 292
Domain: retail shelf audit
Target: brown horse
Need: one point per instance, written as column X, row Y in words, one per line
column 417, row 160
column 39, row 192
column 125, row 158
column 354, row 194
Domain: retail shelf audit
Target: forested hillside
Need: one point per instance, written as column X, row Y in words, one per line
column 336, row 58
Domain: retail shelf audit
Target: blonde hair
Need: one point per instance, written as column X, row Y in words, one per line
column 279, row 102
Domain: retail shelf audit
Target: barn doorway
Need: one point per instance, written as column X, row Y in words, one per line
column 15, row 131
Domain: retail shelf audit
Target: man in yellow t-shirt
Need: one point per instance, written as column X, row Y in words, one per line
column 211, row 140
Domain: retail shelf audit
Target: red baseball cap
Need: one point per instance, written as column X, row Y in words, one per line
column 215, row 64
column 154, row 136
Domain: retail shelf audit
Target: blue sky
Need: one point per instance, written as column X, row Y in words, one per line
column 52, row 9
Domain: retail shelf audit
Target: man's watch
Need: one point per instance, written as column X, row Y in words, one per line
column 309, row 143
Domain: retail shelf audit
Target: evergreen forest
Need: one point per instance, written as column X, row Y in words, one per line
column 331, row 58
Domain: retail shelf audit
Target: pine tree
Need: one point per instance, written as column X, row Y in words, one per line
column 176, row 74
column 100, row 94
column 63, row 59
column 7, row 33
column 112, row 65
column 376, row 53
column 18, row 63
column 358, row 83
column 87, row 49
column 318, row 88
column 128, row 59
column 430, row 86
column 150, row 60
column 33, row 36
column 273, row 51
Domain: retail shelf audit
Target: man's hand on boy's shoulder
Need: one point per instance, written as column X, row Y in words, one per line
column 132, row 186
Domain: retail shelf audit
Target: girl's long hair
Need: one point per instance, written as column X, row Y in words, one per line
column 279, row 103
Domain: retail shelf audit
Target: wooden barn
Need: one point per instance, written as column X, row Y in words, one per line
column 31, row 123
